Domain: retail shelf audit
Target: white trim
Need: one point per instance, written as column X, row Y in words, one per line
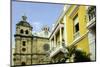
column 91, row 23
column 76, row 20
column 58, row 27
column 65, row 30
column 57, row 50
column 60, row 35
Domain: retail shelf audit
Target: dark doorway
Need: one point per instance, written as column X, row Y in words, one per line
column 23, row 64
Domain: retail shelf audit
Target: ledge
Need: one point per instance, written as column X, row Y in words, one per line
column 79, row 39
column 91, row 23
column 57, row 50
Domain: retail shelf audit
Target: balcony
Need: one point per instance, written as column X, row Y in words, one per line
column 91, row 23
column 55, row 50
column 91, row 13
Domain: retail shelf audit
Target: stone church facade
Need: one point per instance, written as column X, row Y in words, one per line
column 29, row 48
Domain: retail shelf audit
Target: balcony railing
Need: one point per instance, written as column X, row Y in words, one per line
column 56, row 50
column 91, row 13
column 91, row 23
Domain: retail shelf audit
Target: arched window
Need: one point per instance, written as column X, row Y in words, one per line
column 26, row 31
column 21, row 31
column 24, row 43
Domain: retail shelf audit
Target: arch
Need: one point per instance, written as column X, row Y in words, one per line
column 24, row 43
column 26, row 32
column 23, row 63
column 21, row 31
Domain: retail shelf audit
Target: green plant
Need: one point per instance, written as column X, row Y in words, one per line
column 79, row 55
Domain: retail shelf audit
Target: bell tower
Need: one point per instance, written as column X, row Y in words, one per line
column 46, row 30
column 23, row 43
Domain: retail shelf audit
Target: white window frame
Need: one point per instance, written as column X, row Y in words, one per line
column 75, row 22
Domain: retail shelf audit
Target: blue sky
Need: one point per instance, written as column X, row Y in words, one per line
column 38, row 14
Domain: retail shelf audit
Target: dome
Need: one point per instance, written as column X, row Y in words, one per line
column 24, row 22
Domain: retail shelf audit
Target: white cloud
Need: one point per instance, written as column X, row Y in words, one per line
column 37, row 26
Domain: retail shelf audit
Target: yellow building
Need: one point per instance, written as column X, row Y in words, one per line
column 78, row 31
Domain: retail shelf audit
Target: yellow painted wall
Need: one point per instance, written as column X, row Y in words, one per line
column 82, row 21
column 69, row 30
column 83, row 44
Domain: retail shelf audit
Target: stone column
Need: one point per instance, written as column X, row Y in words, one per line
column 60, row 36
column 50, row 44
column 54, row 40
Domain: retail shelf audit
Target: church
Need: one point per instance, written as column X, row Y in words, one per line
column 30, row 48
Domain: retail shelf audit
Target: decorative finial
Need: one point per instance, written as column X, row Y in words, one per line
column 24, row 18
